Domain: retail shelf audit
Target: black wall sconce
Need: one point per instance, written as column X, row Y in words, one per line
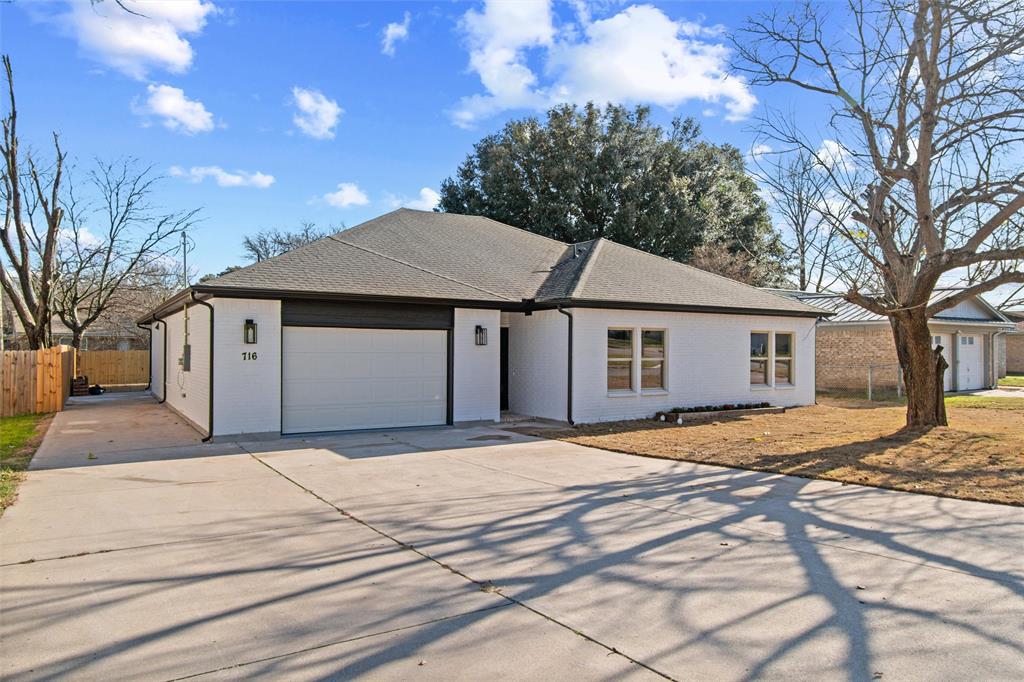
column 249, row 331
column 481, row 335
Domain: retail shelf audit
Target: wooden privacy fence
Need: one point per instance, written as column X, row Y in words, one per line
column 106, row 367
column 35, row 380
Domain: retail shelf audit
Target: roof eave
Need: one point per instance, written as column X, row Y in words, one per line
column 672, row 307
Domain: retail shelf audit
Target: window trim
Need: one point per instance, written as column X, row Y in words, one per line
column 767, row 358
column 792, row 360
column 663, row 388
column 771, row 384
column 632, row 361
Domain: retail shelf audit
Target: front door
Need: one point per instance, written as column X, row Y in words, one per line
column 504, row 368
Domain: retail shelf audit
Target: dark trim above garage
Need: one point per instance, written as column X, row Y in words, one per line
column 365, row 315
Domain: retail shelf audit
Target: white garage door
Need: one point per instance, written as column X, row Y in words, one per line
column 970, row 374
column 946, row 341
column 338, row 379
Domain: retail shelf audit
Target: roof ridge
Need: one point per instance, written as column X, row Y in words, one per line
column 513, row 227
column 706, row 272
column 584, row 272
column 419, row 267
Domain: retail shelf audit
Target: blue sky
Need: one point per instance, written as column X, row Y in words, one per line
column 267, row 114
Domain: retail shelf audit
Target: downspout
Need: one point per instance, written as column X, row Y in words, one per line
column 163, row 322
column 568, row 400
column 210, row 306
column 149, row 358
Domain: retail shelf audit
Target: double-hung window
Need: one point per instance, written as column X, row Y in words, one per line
column 652, row 359
column 783, row 359
column 759, row 352
column 772, row 356
column 620, row 359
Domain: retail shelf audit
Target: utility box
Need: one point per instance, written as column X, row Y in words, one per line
column 186, row 357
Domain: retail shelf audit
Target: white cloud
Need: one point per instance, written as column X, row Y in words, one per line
column 759, row 150
column 86, row 238
column 178, row 112
column 427, row 200
column 239, row 178
column 393, row 33
column 134, row 44
column 833, row 155
column 638, row 55
column 317, row 115
column 348, row 194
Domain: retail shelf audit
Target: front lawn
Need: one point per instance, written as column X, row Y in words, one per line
column 21, row 437
column 980, row 456
column 1012, row 380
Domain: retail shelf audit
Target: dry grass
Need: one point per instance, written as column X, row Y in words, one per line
column 980, row 456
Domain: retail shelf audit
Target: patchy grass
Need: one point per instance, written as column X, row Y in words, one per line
column 1012, row 380
column 21, row 437
column 980, row 456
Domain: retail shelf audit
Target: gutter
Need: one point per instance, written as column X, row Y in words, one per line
column 210, row 306
column 568, row 392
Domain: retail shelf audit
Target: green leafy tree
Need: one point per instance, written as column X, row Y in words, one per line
column 590, row 172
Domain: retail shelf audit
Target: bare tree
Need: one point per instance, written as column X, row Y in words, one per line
column 269, row 243
column 32, row 218
column 114, row 238
column 798, row 192
column 927, row 115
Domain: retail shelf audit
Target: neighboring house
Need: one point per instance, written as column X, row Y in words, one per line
column 97, row 337
column 419, row 318
column 971, row 333
column 1013, row 347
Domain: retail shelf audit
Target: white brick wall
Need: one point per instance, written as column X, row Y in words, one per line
column 476, row 372
column 707, row 362
column 247, row 392
column 537, row 364
column 188, row 392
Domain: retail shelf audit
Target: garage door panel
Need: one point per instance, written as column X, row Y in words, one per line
column 338, row 379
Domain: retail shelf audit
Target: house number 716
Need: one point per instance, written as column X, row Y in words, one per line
column 249, row 356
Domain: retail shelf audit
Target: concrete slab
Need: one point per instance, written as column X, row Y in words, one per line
column 475, row 553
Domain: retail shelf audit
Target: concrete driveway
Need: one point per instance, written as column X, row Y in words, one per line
column 475, row 554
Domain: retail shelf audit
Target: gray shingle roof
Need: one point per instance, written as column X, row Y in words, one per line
column 422, row 254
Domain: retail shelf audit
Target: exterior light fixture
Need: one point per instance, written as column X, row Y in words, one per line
column 481, row 335
column 249, row 331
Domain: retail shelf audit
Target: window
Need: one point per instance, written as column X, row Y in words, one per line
column 783, row 358
column 759, row 359
column 966, row 340
column 936, row 341
column 620, row 359
column 652, row 359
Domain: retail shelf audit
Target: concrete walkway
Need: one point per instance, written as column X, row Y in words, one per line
column 474, row 554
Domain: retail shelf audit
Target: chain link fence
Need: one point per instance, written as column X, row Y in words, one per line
column 883, row 382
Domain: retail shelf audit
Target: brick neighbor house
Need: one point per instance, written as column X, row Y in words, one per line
column 855, row 345
column 1013, row 346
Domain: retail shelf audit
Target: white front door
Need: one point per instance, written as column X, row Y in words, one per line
column 970, row 366
column 338, row 379
column 945, row 340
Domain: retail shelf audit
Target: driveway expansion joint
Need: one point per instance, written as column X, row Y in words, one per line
column 483, row 585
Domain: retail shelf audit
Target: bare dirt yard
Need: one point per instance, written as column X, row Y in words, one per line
column 980, row 456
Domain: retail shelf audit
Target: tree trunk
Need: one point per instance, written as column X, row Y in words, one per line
column 36, row 337
column 920, row 375
column 76, row 339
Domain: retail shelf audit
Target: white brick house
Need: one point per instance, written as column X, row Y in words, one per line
column 419, row 318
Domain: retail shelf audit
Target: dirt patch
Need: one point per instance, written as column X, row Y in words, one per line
column 980, row 456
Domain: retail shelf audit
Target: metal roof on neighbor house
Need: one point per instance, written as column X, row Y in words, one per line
column 845, row 312
column 411, row 254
